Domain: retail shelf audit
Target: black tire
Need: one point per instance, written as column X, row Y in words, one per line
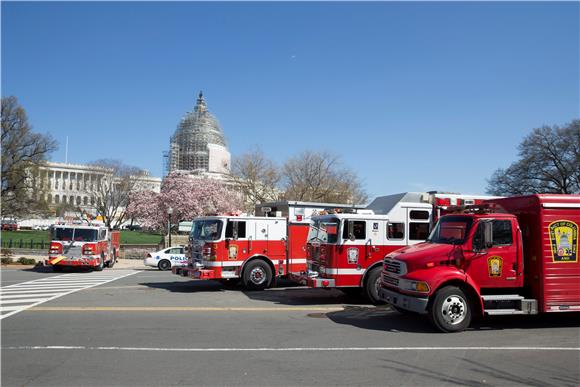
column 113, row 260
column 257, row 275
column 101, row 264
column 450, row 310
column 56, row 268
column 372, row 284
column 164, row 265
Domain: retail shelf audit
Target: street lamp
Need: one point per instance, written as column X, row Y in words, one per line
column 169, row 212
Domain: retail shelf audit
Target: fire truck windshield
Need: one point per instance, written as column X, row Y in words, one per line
column 451, row 230
column 206, row 230
column 325, row 231
column 74, row 234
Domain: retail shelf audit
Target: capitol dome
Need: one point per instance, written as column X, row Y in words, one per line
column 198, row 144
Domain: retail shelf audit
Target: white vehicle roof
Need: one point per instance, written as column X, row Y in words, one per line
column 247, row 217
column 351, row 216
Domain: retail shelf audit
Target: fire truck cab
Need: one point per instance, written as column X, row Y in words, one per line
column 250, row 248
column 78, row 245
column 509, row 256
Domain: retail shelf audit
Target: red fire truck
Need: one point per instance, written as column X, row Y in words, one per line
column 346, row 250
column 82, row 246
column 253, row 249
column 515, row 255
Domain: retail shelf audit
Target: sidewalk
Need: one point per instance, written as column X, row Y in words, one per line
column 122, row 264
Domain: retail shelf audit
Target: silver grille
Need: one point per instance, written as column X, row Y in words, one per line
column 390, row 280
column 392, row 266
column 73, row 252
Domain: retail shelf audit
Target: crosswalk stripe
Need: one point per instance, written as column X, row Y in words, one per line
column 7, row 296
column 29, row 300
column 18, row 297
column 9, row 309
column 25, row 291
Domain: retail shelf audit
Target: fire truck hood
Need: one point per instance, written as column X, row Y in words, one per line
column 419, row 254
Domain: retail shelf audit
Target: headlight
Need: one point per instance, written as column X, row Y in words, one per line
column 414, row 286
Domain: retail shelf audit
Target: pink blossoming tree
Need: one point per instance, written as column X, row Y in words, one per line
column 189, row 197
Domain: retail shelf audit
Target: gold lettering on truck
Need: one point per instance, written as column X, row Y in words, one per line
column 564, row 241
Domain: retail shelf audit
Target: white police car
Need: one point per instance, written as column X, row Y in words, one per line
column 167, row 258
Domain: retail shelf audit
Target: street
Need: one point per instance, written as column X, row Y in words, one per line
column 146, row 327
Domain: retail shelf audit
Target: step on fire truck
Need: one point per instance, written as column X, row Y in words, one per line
column 253, row 249
column 346, row 250
column 509, row 256
column 82, row 246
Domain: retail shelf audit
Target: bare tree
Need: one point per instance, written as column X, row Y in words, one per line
column 257, row 177
column 321, row 177
column 116, row 183
column 549, row 162
column 23, row 152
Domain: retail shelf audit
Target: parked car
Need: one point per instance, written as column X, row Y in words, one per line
column 9, row 225
column 167, row 258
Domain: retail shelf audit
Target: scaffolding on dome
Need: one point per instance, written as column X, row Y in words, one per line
column 190, row 144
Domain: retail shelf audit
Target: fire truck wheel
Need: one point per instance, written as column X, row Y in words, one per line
column 372, row 286
column 257, row 275
column 101, row 264
column 164, row 265
column 450, row 311
column 113, row 260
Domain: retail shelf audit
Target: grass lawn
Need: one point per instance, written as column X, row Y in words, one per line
column 127, row 237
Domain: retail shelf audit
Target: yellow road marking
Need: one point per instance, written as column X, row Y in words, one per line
column 179, row 309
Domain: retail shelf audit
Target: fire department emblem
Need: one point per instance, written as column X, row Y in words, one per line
column 564, row 241
column 494, row 265
column 233, row 252
column 352, row 255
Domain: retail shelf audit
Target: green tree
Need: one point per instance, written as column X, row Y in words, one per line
column 23, row 152
column 549, row 162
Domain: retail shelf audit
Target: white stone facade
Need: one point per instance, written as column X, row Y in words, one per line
column 76, row 183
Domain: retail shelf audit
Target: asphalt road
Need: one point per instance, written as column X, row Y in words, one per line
column 154, row 328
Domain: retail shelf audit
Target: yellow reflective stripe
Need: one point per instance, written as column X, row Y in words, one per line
column 56, row 260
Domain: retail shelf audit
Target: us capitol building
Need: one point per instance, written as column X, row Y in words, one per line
column 198, row 146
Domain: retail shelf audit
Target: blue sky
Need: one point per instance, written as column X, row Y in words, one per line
column 413, row 96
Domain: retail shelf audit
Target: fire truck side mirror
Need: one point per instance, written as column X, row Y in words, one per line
column 234, row 230
column 350, row 230
column 488, row 234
